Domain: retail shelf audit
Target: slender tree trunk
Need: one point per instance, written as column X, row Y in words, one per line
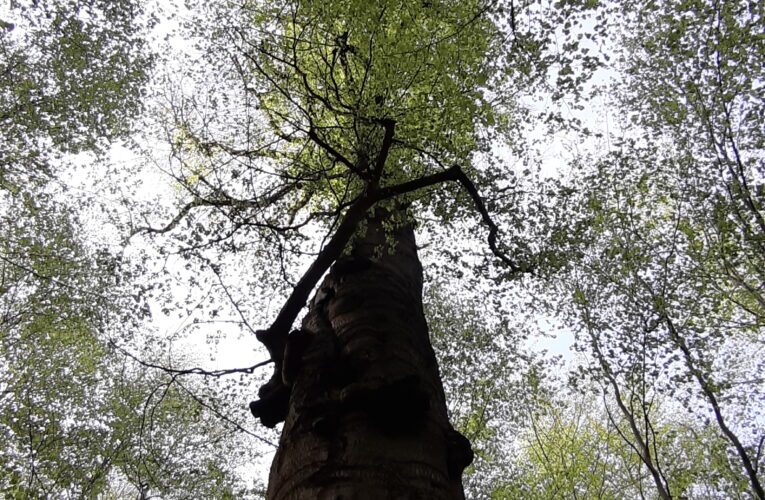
column 367, row 416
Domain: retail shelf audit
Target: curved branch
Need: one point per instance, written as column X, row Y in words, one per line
column 275, row 336
column 189, row 371
column 481, row 207
column 170, row 225
column 493, row 229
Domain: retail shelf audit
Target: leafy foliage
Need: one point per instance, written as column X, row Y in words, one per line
column 78, row 419
column 71, row 79
column 291, row 119
column 664, row 266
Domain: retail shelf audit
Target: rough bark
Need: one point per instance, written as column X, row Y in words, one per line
column 367, row 417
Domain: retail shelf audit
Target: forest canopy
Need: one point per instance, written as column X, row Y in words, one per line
column 559, row 201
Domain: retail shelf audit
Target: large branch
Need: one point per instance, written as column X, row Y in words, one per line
column 479, row 205
column 332, row 151
column 275, row 336
column 493, row 229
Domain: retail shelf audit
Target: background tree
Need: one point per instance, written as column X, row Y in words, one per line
column 71, row 79
column 667, row 261
column 78, row 419
column 487, row 368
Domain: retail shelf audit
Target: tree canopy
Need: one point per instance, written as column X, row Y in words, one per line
column 261, row 150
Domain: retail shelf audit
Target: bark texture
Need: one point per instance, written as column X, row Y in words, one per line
column 367, row 416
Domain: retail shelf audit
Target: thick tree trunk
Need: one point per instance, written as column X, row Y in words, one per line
column 367, row 417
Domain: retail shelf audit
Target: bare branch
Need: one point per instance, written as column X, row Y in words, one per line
column 189, row 371
column 332, row 151
column 223, row 417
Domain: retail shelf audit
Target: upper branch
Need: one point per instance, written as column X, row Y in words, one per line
column 390, row 128
column 462, row 178
column 493, row 229
column 275, row 336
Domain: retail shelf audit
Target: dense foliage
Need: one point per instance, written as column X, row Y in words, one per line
column 642, row 238
column 77, row 418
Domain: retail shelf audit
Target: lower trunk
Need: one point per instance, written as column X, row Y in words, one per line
column 367, row 416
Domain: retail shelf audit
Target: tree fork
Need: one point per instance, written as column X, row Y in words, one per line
column 271, row 408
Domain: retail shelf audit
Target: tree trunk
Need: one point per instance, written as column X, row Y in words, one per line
column 367, row 415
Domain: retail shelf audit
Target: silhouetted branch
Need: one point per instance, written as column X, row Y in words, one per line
column 234, row 303
column 493, row 229
column 189, row 371
column 332, row 151
column 462, row 178
column 223, row 417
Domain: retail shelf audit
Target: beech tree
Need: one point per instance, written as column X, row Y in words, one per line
column 306, row 143
column 359, row 121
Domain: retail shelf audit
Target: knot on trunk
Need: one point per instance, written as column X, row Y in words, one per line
column 273, row 404
column 459, row 453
